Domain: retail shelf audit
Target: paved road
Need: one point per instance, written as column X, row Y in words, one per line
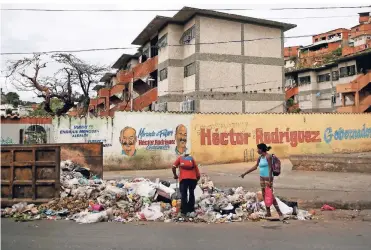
column 339, row 235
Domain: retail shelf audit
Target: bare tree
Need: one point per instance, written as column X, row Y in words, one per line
column 71, row 79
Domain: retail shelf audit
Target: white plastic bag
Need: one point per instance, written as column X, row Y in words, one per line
column 114, row 190
column 86, row 218
column 145, row 189
column 152, row 212
column 286, row 210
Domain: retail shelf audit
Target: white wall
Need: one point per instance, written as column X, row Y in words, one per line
column 267, row 106
column 262, row 48
column 212, row 30
column 222, row 106
column 220, row 76
column 259, row 77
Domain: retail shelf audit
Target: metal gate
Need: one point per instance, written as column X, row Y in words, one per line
column 29, row 173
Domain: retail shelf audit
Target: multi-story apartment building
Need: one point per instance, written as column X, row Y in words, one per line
column 203, row 61
column 341, row 83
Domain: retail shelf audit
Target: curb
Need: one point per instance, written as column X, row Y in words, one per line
column 345, row 205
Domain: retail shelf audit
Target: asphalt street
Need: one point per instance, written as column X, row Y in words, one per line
column 50, row 235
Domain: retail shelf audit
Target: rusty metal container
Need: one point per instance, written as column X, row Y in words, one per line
column 29, row 173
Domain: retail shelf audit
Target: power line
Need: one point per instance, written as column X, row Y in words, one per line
column 312, row 17
column 66, row 51
column 169, row 45
column 190, row 9
column 252, row 91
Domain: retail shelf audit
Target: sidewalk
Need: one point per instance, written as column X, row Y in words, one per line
column 310, row 189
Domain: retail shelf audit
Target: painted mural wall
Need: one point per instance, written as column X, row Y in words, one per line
column 148, row 140
column 131, row 140
column 233, row 138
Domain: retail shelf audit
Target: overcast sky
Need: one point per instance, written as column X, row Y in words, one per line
column 43, row 31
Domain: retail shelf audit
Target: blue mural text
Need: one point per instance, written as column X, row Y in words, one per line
column 346, row 134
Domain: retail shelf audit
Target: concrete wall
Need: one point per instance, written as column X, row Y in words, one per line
column 212, row 30
column 222, row 106
column 262, row 48
column 211, row 138
column 35, row 130
column 218, row 75
column 154, row 140
column 218, row 138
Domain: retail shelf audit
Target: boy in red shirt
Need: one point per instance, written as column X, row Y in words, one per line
column 189, row 175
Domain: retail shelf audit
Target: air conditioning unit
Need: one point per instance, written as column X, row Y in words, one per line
column 160, row 106
column 187, row 106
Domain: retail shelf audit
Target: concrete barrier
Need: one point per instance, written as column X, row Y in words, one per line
column 356, row 163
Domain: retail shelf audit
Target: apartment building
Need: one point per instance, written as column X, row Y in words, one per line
column 202, row 61
column 334, row 78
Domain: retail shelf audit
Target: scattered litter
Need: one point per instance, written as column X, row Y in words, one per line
column 327, row 208
column 89, row 199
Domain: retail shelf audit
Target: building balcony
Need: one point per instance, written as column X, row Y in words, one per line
column 117, row 90
column 139, row 103
column 291, row 92
column 360, row 90
column 139, row 71
column 357, row 85
column 104, row 92
column 352, row 50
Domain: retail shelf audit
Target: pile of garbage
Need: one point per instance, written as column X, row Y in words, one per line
column 89, row 199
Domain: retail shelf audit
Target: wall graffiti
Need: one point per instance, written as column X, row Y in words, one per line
column 145, row 140
column 346, row 134
column 104, row 141
column 153, row 140
column 235, row 136
column 6, row 141
column 207, row 137
column 80, row 131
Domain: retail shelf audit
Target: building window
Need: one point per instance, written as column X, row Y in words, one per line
column 162, row 42
column 188, row 35
column 145, row 55
column 348, row 71
column 163, row 74
column 189, row 70
column 324, row 77
column 304, row 80
column 335, row 75
column 316, row 40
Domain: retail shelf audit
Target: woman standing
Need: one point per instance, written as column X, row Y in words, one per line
column 266, row 175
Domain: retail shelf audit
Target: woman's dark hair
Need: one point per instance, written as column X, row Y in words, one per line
column 263, row 147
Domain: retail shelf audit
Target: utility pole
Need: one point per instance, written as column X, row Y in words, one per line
column 131, row 92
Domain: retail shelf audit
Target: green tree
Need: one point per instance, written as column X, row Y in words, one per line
column 13, row 98
column 55, row 104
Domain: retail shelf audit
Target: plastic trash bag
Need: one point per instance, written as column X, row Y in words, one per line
column 115, row 191
column 19, row 207
column 145, row 189
column 286, row 210
column 152, row 213
column 268, row 199
column 304, row 215
column 86, row 217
